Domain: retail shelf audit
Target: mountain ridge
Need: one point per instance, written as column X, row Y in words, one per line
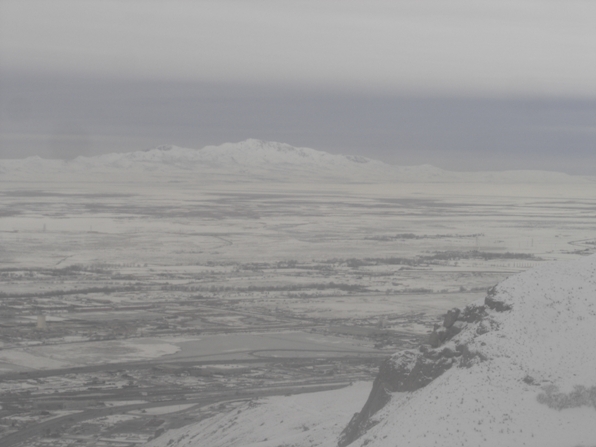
column 264, row 160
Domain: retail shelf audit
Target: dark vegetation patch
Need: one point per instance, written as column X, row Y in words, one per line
column 165, row 211
column 579, row 397
column 472, row 314
column 410, row 236
column 436, row 258
column 39, row 193
column 290, row 288
column 8, row 212
column 71, row 270
column 52, row 293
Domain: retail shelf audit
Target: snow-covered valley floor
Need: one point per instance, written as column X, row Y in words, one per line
column 152, row 279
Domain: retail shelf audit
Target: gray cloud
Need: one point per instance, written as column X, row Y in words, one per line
column 459, row 47
column 65, row 117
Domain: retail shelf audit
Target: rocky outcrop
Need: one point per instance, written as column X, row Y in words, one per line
column 411, row 370
column 407, row 372
column 493, row 303
column 451, row 317
column 516, row 368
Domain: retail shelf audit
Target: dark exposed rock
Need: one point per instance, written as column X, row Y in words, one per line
column 499, row 306
column 482, row 329
column 451, row 317
column 436, row 337
column 448, row 353
column 452, row 331
column 493, row 303
column 433, row 339
column 439, row 336
column 469, row 358
column 472, row 314
column 411, row 370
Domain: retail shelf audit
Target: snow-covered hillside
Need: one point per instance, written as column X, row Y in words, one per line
column 518, row 368
column 255, row 160
column 301, row 420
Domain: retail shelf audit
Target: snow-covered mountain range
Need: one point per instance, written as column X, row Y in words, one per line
column 517, row 368
column 255, row 160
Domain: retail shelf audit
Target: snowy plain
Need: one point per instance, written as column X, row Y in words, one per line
column 173, row 254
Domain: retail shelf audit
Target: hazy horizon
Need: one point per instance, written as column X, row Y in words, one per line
column 461, row 86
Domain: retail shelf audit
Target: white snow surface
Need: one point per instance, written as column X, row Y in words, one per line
column 301, row 420
column 256, row 160
column 549, row 335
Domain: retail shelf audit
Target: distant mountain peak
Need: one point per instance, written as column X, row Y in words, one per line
column 258, row 160
column 162, row 148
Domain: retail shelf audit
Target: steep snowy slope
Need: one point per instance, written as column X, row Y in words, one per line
column 301, row 420
column 518, row 368
column 255, row 160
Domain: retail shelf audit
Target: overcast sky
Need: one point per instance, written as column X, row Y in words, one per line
column 481, row 84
